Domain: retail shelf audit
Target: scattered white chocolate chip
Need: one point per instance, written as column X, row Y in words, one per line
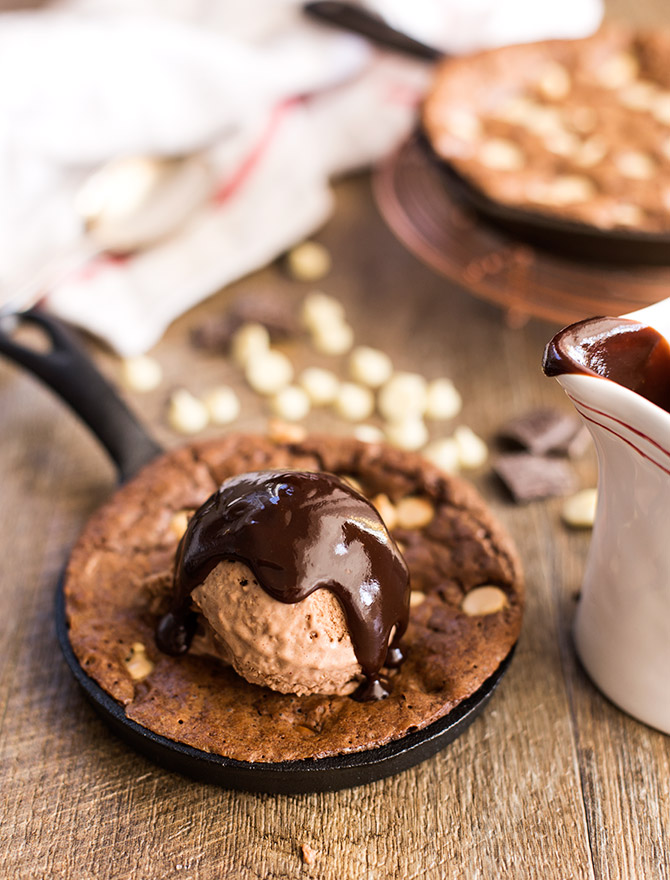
column 223, row 405
column 515, row 110
column 661, row 108
column 501, row 155
column 483, row 600
column 625, row 214
column 321, row 386
column 409, row 435
column 318, row 309
column 179, row 523
column 443, row 400
column 583, row 119
column 636, row 165
column 554, row 82
column 249, row 341
column 563, row 143
column 309, row 261
column 416, row 597
column 579, row 511
column 354, row 402
column 618, row 70
column 369, row 366
column 333, row 339
column 285, row 432
column 290, row 403
column 142, row 373
column 443, row 453
column 187, row 414
column 404, row 396
column 566, row 190
column 591, row 152
column 368, row 433
column 137, row 663
column 414, row 513
column 386, row 509
column 269, row 372
column 472, row 451
column 463, row 124
column 639, row 95
column 544, row 121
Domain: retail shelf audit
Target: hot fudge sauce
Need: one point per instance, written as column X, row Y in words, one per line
column 298, row 532
column 627, row 352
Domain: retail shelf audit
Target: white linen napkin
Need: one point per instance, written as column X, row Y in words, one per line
column 277, row 104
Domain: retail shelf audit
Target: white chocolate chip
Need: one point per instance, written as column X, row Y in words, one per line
column 285, row 432
column 544, row 121
column 137, row 663
column 472, row 451
column 501, row 155
column 566, row 190
column 639, row 95
column 483, row 600
column 354, row 402
column 179, row 523
column 636, row 165
column 309, row 261
column 291, row 403
column 269, row 372
column 591, row 152
column 618, row 70
column 386, row 509
column 661, row 108
column 223, row 405
column 368, row 433
column 141, row 373
column 416, row 597
column 579, row 511
column 583, row 119
column 443, row 400
column 443, row 453
column 409, row 435
column 414, row 513
column 187, row 414
column 554, row 82
column 333, row 339
column 404, row 396
column 319, row 309
column 625, row 214
column 563, row 143
column 321, row 386
column 463, row 124
column 515, row 110
column 369, row 366
column 248, row 342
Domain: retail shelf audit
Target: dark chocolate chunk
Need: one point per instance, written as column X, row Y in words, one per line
column 530, row 477
column 542, row 431
column 269, row 308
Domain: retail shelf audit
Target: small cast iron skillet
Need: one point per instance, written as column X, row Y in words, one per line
column 67, row 370
column 564, row 238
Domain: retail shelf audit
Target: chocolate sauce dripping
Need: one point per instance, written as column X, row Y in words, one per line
column 625, row 351
column 298, row 532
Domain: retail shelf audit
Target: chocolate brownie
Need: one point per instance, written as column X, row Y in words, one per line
column 119, row 578
column 574, row 128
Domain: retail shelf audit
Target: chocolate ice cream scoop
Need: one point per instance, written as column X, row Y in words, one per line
column 297, row 533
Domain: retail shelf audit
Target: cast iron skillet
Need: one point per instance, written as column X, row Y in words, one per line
column 67, row 370
column 564, row 238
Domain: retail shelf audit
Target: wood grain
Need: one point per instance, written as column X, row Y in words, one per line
column 551, row 781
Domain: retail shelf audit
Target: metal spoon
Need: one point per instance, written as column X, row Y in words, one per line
column 126, row 205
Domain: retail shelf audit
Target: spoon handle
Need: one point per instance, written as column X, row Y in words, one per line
column 67, row 369
column 351, row 17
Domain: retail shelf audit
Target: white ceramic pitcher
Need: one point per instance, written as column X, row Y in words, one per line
column 622, row 624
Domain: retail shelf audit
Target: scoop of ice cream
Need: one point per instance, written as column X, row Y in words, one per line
column 322, row 595
column 301, row 648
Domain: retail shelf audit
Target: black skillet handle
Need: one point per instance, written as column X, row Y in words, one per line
column 68, row 371
column 351, row 17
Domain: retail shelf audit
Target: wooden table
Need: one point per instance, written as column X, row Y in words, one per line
column 551, row 781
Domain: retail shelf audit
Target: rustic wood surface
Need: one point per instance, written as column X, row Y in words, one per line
column 551, row 781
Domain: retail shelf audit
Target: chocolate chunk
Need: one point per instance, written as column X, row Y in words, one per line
column 543, row 431
column 530, row 477
column 269, row 308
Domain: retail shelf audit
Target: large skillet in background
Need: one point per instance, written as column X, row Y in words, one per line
column 68, row 371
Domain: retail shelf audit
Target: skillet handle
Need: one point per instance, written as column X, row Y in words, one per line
column 68, row 371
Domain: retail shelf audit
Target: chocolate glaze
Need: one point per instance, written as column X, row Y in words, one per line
column 298, row 532
column 625, row 351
